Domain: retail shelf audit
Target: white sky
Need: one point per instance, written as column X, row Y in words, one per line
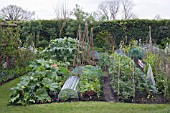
column 44, row 9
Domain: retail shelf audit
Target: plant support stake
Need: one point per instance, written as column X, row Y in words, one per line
column 118, row 92
column 150, row 40
column 133, row 77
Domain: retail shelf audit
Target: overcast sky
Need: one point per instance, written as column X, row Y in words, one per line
column 44, row 9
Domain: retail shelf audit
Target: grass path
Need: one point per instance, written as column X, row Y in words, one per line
column 77, row 107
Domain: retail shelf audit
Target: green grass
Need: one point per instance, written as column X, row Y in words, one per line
column 77, row 107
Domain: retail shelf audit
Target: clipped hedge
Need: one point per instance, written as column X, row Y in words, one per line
column 118, row 29
column 135, row 29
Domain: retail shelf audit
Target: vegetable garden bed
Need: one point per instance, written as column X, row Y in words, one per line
column 45, row 77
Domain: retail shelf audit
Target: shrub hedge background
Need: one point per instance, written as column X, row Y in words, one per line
column 118, row 29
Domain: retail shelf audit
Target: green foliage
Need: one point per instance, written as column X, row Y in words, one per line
column 135, row 53
column 61, row 50
column 9, row 41
column 76, row 107
column 117, row 29
column 159, row 75
column 30, row 33
column 126, row 77
column 137, row 29
column 151, row 59
column 164, row 42
column 80, row 18
column 13, row 58
column 43, row 43
column 168, row 89
column 89, row 79
column 39, row 85
column 49, row 30
column 67, row 94
column 167, row 49
column 104, row 40
column 104, row 61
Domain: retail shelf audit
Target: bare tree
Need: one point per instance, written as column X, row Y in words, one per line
column 62, row 15
column 13, row 12
column 157, row 17
column 127, row 6
column 134, row 16
column 108, row 10
column 113, row 8
column 103, row 10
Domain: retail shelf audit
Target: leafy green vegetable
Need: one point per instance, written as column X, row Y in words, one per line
column 40, row 84
column 62, row 50
column 126, row 84
column 89, row 78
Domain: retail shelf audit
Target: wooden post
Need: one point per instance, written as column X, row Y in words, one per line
column 92, row 45
column 86, row 33
column 133, row 77
column 79, row 42
column 156, row 65
column 113, row 49
column 82, row 48
column 150, row 40
column 166, row 81
column 88, row 42
column 126, row 40
column 113, row 66
column 118, row 92
column 75, row 57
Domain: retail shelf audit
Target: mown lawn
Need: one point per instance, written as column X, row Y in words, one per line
column 77, row 107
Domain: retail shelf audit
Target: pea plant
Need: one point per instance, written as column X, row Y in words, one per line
column 158, row 64
column 126, row 78
column 104, row 61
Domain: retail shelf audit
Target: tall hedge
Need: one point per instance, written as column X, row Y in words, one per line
column 135, row 29
column 118, row 29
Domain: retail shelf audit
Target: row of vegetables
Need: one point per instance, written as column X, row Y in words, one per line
column 45, row 77
column 44, row 81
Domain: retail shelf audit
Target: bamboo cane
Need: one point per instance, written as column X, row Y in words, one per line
column 166, row 81
column 118, row 92
column 76, row 54
column 82, row 48
column 87, row 39
column 92, row 45
column 150, row 40
column 133, row 77
column 79, row 41
column 114, row 61
column 113, row 49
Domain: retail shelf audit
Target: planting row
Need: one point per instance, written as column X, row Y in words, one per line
column 45, row 79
